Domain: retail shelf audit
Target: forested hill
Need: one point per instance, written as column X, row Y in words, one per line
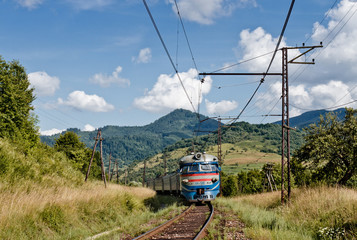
column 133, row 143
column 307, row 118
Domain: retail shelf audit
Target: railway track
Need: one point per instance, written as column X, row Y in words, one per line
column 190, row 224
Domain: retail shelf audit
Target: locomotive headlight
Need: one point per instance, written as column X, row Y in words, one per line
column 214, row 180
column 185, row 181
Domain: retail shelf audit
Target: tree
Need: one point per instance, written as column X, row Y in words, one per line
column 77, row 152
column 229, row 185
column 330, row 150
column 16, row 97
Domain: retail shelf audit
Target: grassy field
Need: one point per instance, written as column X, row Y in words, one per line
column 244, row 157
column 39, row 212
column 313, row 213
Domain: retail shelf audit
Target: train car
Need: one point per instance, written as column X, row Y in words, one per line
column 199, row 177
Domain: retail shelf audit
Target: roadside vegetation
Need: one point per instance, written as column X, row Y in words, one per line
column 42, row 190
column 313, row 213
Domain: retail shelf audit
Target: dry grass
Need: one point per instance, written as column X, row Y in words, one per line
column 29, row 197
column 262, row 200
column 311, row 214
column 313, row 203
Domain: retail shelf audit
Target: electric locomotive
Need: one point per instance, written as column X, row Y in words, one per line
column 199, row 177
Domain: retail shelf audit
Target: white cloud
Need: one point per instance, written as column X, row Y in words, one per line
column 256, row 43
column 329, row 95
column 105, row 80
column 51, row 132
column 219, row 108
column 338, row 58
column 88, row 128
column 82, row 101
column 205, row 11
column 144, row 56
column 89, row 4
column 168, row 94
column 44, row 84
column 30, row 4
column 303, row 98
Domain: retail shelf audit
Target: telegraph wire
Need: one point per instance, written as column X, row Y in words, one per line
column 349, row 92
column 323, row 19
column 61, row 112
column 341, row 21
column 236, row 85
column 169, row 56
column 271, row 109
column 241, row 62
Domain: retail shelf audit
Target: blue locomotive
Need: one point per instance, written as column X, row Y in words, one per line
column 197, row 179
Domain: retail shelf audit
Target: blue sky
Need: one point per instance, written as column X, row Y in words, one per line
column 100, row 62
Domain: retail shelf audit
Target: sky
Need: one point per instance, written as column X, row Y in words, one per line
column 95, row 63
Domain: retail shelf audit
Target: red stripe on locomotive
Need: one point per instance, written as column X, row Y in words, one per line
column 199, row 174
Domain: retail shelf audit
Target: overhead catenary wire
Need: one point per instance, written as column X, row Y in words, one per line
column 323, row 19
column 271, row 61
column 303, row 68
column 192, row 56
column 334, row 107
column 169, row 56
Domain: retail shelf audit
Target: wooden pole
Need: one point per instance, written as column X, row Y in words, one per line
column 109, row 178
column 101, row 160
column 117, row 165
column 91, row 159
column 144, row 173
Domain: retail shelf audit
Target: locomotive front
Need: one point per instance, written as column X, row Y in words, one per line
column 199, row 176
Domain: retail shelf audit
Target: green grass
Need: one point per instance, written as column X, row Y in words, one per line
column 234, row 169
column 313, row 213
column 43, row 197
column 81, row 213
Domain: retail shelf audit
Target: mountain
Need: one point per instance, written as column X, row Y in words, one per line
column 137, row 143
column 307, row 118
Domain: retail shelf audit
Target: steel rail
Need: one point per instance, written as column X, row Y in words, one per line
column 201, row 233
column 158, row 229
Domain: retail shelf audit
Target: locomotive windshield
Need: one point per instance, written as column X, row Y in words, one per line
column 208, row 168
column 200, row 168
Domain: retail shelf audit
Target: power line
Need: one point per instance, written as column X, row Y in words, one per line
column 323, row 19
column 318, row 54
column 241, row 62
column 271, row 61
column 235, row 85
column 342, row 105
column 169, row 56
column 192, row 57
column 184, row 31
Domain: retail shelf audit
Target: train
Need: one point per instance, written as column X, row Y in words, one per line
column 197, row 179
